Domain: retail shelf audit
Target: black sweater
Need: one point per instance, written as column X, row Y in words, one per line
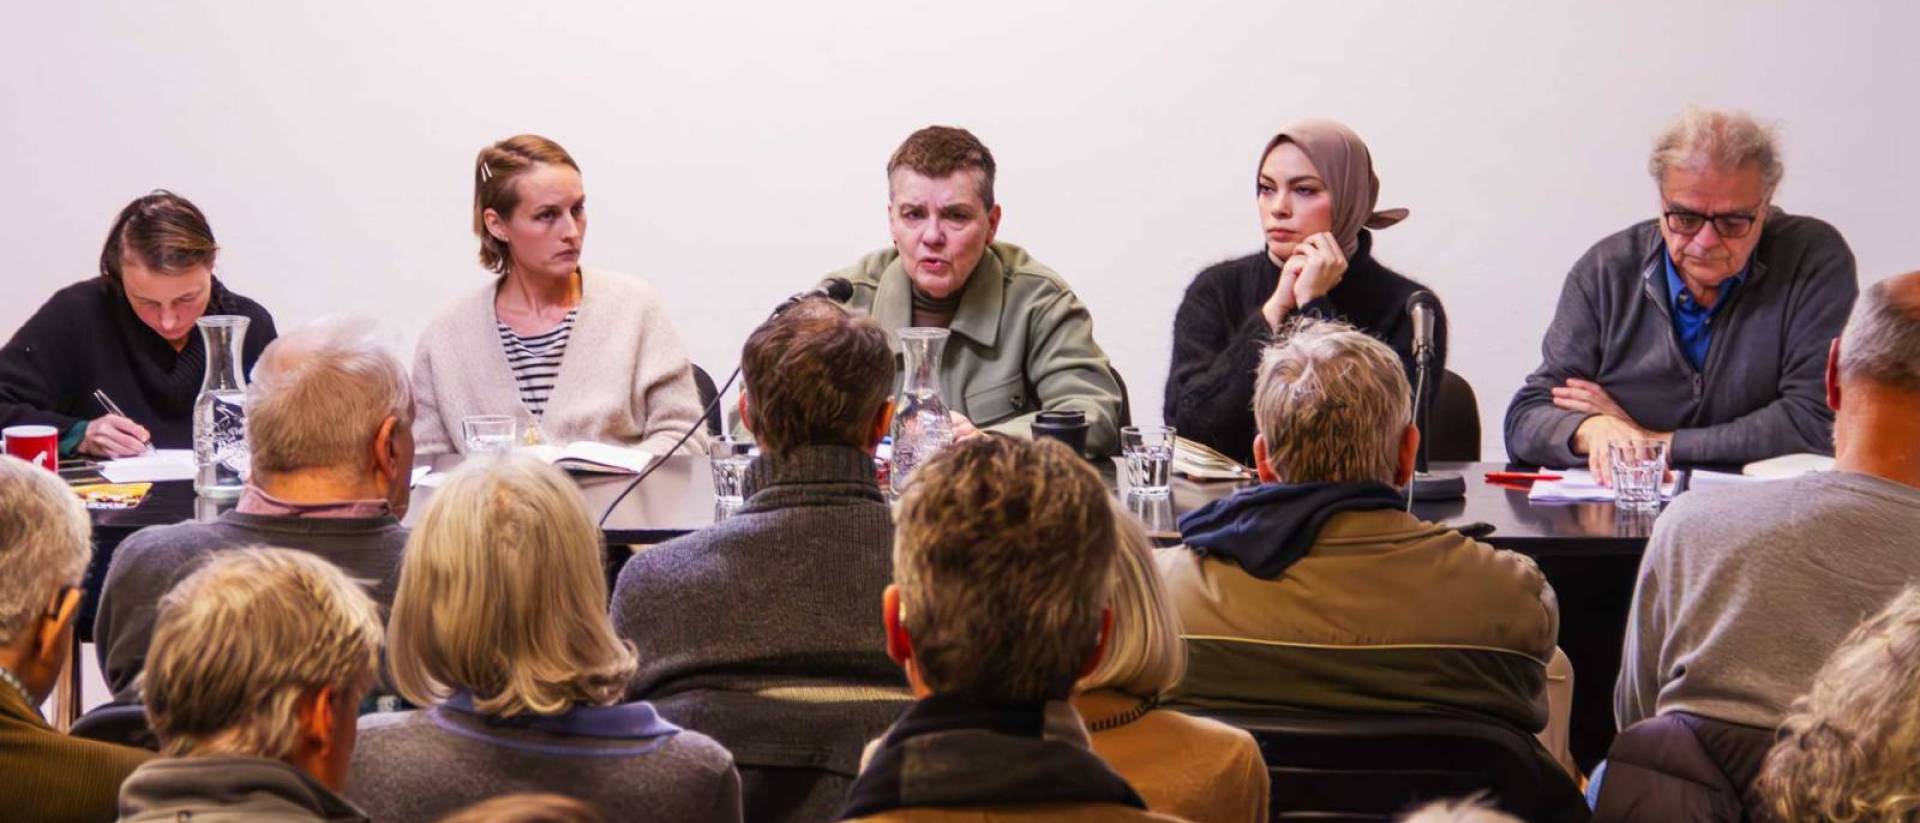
column 87, row 337
column 1218, row 335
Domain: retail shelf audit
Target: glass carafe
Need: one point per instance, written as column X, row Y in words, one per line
column 220, row 454
column 921, row 425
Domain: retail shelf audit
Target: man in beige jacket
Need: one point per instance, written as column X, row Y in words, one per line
column 1022, row 342
column 1317, row 590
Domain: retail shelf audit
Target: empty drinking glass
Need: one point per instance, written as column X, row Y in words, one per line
column 489, row 433
column 730, row 458
column 1148, row 451
column 1638, row 467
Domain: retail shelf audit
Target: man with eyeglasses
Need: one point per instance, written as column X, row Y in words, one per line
column 1706, row 328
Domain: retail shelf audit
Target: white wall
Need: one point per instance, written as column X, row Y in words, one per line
column 734, row 152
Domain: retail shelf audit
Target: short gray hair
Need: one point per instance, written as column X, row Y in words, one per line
column 44, row 542
column 241, row 641
column 1332, row 403
column 1713, row 139
column 1002, row 551
column 319, row 394
column 1846, row 751
column 1882, row 340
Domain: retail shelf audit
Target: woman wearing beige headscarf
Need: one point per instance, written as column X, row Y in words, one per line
column 1316, row 192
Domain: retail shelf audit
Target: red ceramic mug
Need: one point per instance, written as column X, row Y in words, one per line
column 35, row 444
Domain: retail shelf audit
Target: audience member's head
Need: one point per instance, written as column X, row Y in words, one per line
column 1333, row 406
column 1851, row 748
column 44, row 550
column 526, row 808
column 1002, row 555
column 503, row 596
column 816, row 375
column 330, row 410
column 1873, row 373
column 1145, row 656
column 263, row 653
column 1473, row 809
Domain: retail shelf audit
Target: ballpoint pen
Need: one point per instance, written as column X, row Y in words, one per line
column 112, row 408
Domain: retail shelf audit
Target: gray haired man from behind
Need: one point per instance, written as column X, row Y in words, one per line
column 330, row 426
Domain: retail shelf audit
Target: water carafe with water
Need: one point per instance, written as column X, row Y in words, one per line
column 220, row 454
column 921, row 423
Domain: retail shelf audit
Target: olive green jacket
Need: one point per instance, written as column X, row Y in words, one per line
column 1022, row 343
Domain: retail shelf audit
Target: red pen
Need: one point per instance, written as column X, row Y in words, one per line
column 1515, row 477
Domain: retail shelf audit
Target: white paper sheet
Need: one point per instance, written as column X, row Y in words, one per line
column 1578, row 486
column 153, row 467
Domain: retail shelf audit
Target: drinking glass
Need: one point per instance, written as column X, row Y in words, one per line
column 1149, row 454
column 1638, row 466
column 730, row 458
column 489, row 433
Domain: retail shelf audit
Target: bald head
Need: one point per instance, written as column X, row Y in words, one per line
column 1881, row 344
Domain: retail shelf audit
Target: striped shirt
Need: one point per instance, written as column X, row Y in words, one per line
column 535, row 360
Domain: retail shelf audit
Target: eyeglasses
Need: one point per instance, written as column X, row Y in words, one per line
column 1730, row 225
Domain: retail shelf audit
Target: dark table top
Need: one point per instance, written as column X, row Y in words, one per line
column 678, row 498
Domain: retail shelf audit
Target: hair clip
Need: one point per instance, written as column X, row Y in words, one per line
column 486, row 172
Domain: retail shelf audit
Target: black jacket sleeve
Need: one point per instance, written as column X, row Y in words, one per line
column 38, row 369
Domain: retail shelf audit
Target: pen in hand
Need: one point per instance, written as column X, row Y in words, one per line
column 113, row 408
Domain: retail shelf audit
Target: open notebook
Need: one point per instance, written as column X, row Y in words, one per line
column 588, row 457
column 1197, row 461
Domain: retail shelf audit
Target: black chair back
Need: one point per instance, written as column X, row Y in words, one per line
column 703, row 382
column 124, row 724
column 1378, row 767
column 1453, row 427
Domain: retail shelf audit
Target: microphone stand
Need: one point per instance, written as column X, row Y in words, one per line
column 1428, row 485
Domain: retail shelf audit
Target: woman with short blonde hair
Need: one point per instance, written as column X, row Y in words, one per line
column 500, row 629
column 1190, row 767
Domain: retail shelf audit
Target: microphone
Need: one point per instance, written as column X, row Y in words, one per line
column 1425, row 310
column 837, row 289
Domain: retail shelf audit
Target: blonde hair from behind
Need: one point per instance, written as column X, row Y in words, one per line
column 1850, row 749
column 1145, row 656
column 502, row 594
column 238, row 643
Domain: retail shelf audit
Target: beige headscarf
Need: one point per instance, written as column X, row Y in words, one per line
column 1347, row 168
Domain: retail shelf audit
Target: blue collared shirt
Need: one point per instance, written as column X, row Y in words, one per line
column 1692, row 321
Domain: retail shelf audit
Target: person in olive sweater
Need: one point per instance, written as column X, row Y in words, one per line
column 130, row 334
column 1316, row 192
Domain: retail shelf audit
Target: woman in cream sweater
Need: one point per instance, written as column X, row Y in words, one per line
column 1190, row 767
column 571, row 353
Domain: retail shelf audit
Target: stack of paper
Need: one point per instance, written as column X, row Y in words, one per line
column 1787, row 465
column 1196, row 461
column 153, row 467
column 1578, row 486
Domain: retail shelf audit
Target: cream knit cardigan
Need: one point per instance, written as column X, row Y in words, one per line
column 625, row 378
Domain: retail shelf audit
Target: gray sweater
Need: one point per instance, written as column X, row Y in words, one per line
column 150, row 562
column 419, row 766
column 1744, row 592
column 1761, row 391
column 764, row 630
column 222, row 789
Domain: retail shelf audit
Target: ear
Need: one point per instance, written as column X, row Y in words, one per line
column 899, row 646
column 496, row 225
column 314, row 713
column 1262, row 464
column 50, row 641
column 1409, row 456
column 993, row 222
column 1100, row 646
column 881, row 427
column 386, row 451
column 741, row 406
column 1833, row 375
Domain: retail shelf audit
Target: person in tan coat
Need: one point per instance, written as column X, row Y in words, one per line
column 1002, row 555
column 45, row 775
column 1200, row 769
